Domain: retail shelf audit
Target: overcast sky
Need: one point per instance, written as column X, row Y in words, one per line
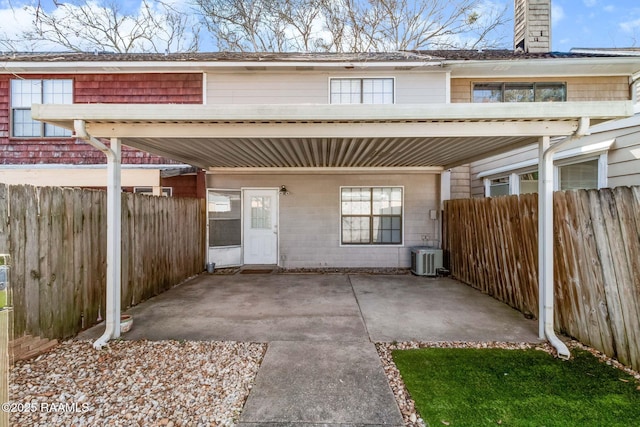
column 576, row 23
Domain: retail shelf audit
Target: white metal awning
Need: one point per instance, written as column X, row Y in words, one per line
column 332, row 136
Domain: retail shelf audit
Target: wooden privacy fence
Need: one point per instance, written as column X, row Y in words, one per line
column 57, row 241
column 493, row 246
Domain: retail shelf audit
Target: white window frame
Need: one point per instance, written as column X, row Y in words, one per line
column 371, row 245
column 165, row 192
column 240, row 193
column 361, row 79
column 15, row 105
column 603, row 165
column 514, row 177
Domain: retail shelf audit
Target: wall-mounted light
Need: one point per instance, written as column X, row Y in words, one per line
column 284, row 191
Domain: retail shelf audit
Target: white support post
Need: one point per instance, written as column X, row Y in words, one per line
column 114, row 235
column 545, row 211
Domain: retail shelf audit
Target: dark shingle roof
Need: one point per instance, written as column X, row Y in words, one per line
column 402, row 56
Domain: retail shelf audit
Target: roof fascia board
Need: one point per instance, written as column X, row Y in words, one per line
column 155, row 113
column 301, row 130
column 190, row 66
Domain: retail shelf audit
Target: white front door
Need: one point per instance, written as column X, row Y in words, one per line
column 260, row 239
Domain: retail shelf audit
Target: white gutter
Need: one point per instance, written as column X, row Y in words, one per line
column 545, row 237
column 114, row 260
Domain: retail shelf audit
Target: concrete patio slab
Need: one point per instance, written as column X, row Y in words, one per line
column 321, row 383
column 410, row 308
column 321, row 367
column 250, row 308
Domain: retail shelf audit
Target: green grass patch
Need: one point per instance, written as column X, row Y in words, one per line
column 488, row 387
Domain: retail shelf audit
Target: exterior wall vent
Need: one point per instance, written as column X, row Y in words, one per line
column 426, row 261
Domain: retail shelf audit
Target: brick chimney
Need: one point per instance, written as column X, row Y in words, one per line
column 532, row 26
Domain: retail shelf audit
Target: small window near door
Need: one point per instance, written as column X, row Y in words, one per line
column 225, row 225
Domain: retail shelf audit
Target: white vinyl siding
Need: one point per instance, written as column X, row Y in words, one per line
column 624, row 160
column 270, row 87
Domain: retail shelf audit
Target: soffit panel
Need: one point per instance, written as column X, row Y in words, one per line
column 325, row 152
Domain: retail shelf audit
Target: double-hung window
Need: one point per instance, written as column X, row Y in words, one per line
column 35, row 91
column 371, row 215
column 361, row 91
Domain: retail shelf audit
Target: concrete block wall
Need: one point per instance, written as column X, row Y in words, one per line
column 309, row 227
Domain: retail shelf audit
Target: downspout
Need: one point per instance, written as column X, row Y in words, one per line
column 114, row 261
column 545, row 237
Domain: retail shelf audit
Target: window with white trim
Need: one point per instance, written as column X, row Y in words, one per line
column 571, row 174
column 166, row 191
column 361, row 91
column 582, row 175
column 225, row 223
column 498, row 187
column 519, row 92
column 25, row 92
column 371, row 215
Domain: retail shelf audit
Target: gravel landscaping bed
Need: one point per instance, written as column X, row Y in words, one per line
column 406, row 403
column 133, row 383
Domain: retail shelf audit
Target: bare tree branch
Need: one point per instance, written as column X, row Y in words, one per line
column 103, row 25
column 351, row 25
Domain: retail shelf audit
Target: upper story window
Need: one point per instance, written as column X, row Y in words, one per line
column 29, row 91
column 362, row 91
column 520, row 92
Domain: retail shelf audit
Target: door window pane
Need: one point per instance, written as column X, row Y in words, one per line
column 260, row 212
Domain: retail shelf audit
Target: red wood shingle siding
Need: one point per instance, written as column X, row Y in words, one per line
column 147, row 88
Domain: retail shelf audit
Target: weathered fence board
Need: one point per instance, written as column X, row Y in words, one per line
column 57, row 240
column 492, row 245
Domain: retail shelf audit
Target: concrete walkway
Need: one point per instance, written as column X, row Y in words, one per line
column 321, row 367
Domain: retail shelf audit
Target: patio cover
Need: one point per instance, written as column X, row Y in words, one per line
column 329, row 136
column 264, row 138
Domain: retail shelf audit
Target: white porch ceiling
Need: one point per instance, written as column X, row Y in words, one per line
column 329, row 136
column 325, row 152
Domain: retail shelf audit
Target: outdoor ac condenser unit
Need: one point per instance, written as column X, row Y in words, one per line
column 426, row 261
